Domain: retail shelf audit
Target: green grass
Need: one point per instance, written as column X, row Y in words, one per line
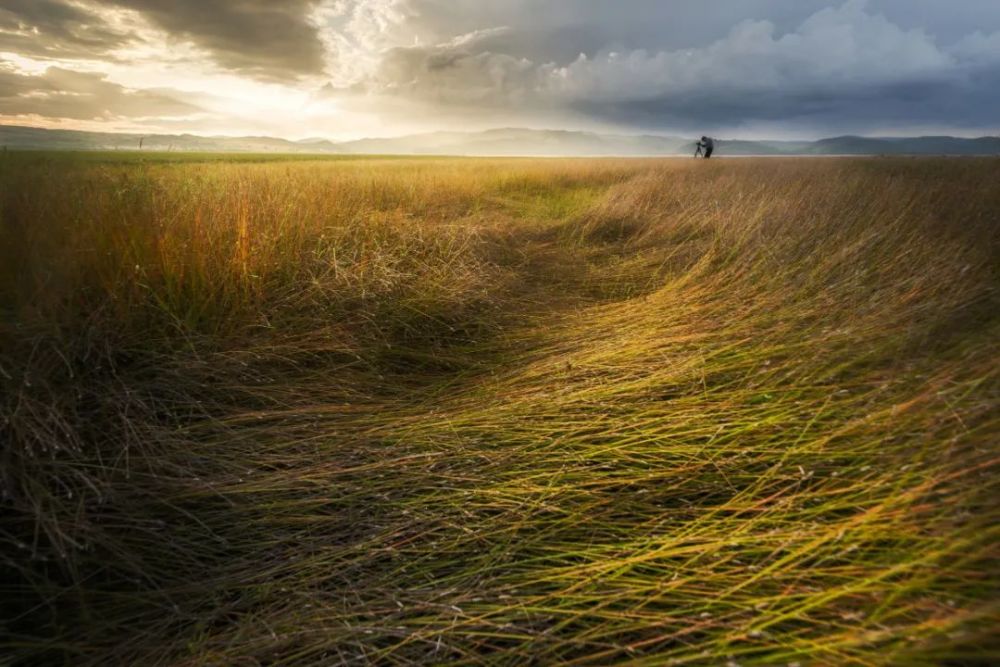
column 502, row 412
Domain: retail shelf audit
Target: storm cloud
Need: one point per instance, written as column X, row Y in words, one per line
column 809, row 67
column 260, row 38
column 62, row 93
column 844, row 65
column 55, row 29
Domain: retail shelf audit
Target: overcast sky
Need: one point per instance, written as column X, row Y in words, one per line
column 350, row 68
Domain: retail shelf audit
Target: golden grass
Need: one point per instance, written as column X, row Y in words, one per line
column 500, row 411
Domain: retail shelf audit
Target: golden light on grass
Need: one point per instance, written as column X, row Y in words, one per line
column 399, row 411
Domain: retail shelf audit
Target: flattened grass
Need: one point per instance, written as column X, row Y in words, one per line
column 474, row 411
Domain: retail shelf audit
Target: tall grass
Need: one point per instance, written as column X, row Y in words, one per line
column 500, row 411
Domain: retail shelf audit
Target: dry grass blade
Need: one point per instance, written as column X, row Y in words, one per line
column 499, row 411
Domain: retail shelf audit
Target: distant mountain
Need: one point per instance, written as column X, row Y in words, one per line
column 905, row 146
column 13, row 136
column 498, row 142
column 850, row 145
column 519, row 141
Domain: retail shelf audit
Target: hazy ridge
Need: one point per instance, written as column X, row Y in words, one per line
column 496, row 142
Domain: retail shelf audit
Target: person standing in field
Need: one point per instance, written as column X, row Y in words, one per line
column 707, row 144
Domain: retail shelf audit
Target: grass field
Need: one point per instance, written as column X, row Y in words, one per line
column 458, row 411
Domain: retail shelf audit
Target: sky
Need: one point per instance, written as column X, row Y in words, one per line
column 346, row 69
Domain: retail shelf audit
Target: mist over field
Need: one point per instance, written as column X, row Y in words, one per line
column 535, row 332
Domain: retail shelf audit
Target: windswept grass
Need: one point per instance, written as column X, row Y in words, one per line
column 500, row 411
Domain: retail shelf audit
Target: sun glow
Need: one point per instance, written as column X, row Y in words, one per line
column 23, row 64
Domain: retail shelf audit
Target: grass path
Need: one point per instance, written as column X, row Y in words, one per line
column 610, row 482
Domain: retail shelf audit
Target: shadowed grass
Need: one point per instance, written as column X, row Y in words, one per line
column 501, row 411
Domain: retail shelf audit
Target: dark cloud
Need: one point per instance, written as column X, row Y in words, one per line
column 264, row 39
column 55, row 29
column 958, row 104
column 456, row 72
column 559, row 30
column 844, row 66
column 67, row 94
column 544, row 30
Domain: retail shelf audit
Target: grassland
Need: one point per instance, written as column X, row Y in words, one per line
column 499, row 411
